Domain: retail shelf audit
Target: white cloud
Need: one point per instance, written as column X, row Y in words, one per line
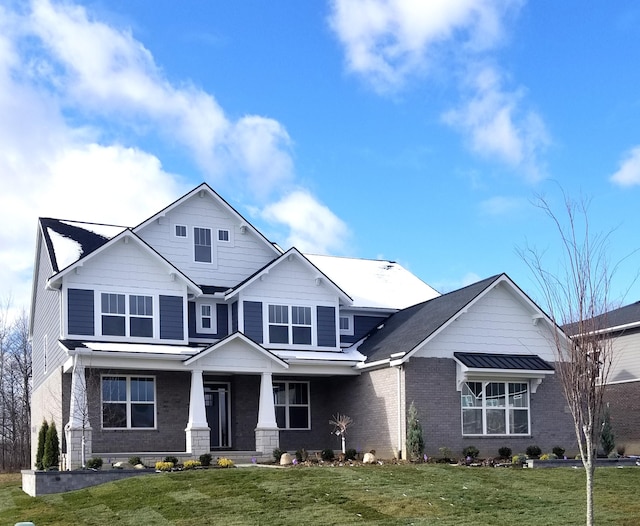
column 501, row 205
column 628, row 173
column 313, row 227
column 108, row 72
column 386, row 41
column 494, row 124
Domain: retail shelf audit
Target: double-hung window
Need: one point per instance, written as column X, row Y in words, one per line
column 207, row 317
column 291, row 400
column 126, row 318
column 495, row 408
column 290, row 324
column 128, row 402
column 202, row 245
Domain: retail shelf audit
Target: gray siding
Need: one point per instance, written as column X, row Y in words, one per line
column 171, row 318
column 80, row 312
column 326, row 326
column 253, row 320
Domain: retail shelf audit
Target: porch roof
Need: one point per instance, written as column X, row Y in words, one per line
column 529, row 362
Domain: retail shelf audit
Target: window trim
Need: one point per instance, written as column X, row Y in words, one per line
column 220, row 231
column 128, row 402
column 287, row 405
column 349, row 331
column 175, row 231
column 506, row 407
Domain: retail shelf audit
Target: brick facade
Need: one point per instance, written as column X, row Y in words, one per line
column 624, row 406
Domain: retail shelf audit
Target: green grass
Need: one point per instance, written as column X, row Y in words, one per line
column 420, row 494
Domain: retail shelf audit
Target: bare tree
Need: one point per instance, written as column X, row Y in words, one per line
column 577, row 299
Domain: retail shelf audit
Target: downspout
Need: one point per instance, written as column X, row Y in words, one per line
column 399, row 382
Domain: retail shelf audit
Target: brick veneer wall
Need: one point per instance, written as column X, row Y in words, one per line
column 245, row 396
column 624, row 407
column 172, row 413
column 431, row 385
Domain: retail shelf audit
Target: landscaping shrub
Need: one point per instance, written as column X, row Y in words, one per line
column 445, row 453
column 225, row 463
column 470, row 451
column 51, row 455
column 134, row 461
column 504, row 452
column 205, row 459
column 164, row 466
column 94, row 463
column 534, row 452
column 172, row 459
column 558, row 451
column 191, row 464
column 302, row 455
column 350, row 454
column 277, row 453
column 415, row 440
column 42, row 436
column 327, row 454
column 607, row 439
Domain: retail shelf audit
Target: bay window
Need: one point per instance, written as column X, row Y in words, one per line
column 495, row 408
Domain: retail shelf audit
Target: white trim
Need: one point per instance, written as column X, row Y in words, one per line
column 211, row 246
column 213, row 329
column 175, row 231
column 349, row 331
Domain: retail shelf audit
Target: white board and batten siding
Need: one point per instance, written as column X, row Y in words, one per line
column 125, row 268
column 232, row 261
column 498, row 323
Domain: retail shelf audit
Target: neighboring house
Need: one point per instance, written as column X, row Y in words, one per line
column 192, row 333
column 622, row 326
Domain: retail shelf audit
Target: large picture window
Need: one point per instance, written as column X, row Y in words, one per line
column 290, row 324
column 128, row 402
column 495, row 408
column 126, row 318
column 291, row 401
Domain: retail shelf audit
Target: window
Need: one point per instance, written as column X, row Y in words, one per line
column 207, row 318
column 181, row 231
column 290, row 324
column 115, row 314
column 128, row 402
column 202, row 244
column 495, row 408
column 291, row 401
column 346, row 324
column 224, row 235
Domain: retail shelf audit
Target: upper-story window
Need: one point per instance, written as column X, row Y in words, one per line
column 224, row 235
column 181, row 231
column 206, row 315
column 202, row 245
column 290, row 324
column 118, row 320
column 346, row 325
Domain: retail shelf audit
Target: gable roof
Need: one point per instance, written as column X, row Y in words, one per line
column 403, row 331
column 54, row 280
column 205, row 188
column 292, row 252
column 623, row 318
column 374, row 283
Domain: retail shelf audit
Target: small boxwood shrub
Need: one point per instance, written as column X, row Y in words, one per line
column 504, row 452
column 471, row 451
column 327, row 454
column 350, row 454
column 134, row 461
column 191, row 464
column 558, row 451
column 277, row 453
column 164, row 466
column 172, row 459
column 94, row 463
column 205, row 459
column 534, row 451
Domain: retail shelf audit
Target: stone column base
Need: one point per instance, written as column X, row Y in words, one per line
column 74, row 455
column 198, row 440
column 267, row 439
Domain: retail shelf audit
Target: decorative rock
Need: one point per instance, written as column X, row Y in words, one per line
column 286, row 459
column 139, row 466
column 369, row 458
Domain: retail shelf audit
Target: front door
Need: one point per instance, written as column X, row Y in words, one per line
column 216, row 400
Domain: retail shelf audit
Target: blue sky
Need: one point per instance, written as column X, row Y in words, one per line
column 419, row 132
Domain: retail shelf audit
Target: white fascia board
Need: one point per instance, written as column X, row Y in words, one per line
column 373, row 365
column 320, row 369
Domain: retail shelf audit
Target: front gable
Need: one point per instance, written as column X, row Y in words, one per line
column 237, row 354
column 207, row 239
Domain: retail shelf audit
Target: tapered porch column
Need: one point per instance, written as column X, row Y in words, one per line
column 267, row 435
column 197, row 430
column 77, row 429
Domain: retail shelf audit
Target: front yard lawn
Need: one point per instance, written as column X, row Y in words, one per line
column 389, row 494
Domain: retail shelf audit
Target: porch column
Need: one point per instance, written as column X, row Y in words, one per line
column 197, row 431
column 78, row 429
column 267, row 435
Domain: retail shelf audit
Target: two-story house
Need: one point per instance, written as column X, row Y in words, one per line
column 193, row 333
